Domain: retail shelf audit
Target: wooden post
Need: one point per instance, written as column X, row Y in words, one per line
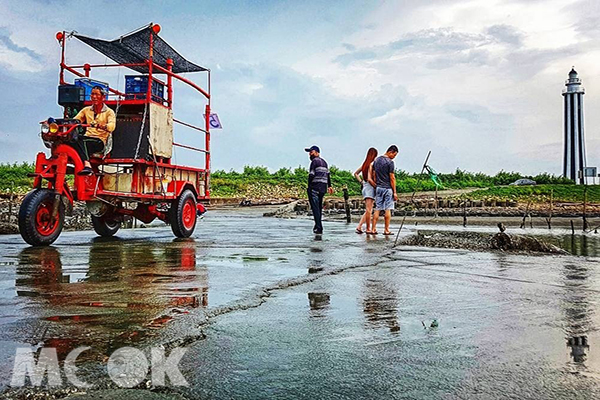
column 464, row 204
column 525, row 215
column 585, row 224
column 347, row 205
column 10, row 203
column 436, row 201
column 572, row 228
column 549, row 218
column 530, row 221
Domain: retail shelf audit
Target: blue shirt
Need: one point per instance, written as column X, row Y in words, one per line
column 318, row 175
column 383, row 167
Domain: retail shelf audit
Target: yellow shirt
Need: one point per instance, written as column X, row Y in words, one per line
column 106, row 117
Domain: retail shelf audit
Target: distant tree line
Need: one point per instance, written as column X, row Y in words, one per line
column 228, row 183
column 14, row 177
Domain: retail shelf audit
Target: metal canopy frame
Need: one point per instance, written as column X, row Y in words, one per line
column 144, row 51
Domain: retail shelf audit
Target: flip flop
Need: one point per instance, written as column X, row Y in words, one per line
column 360, row 232
column 86, row 171
column 373, row 233
column 388, row 233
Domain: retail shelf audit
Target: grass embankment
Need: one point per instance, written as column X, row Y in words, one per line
column 540, row 193
column 287, row 182
column 258, row 182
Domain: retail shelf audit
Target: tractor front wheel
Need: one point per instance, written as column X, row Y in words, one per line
column 182, row 214
column 37, row 224
column 105, row 225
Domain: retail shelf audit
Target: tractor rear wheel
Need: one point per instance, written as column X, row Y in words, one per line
column 105, row 225
column 36, row 225
column 182, row 214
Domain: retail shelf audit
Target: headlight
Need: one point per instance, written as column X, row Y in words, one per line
column 45, row 129
column 53, row 127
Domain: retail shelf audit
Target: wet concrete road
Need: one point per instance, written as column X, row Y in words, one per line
column 291, row 316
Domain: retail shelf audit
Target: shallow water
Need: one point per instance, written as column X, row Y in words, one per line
column 297, row 315
column 510, row 326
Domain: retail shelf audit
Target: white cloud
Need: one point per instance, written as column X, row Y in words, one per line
column 478, row 82
column 18, row 61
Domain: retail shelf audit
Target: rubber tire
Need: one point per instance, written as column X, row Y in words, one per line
column 27, row 217
column 105, row 227
column 176, row 214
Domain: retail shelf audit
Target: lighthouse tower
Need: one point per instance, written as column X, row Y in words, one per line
column 574, row 154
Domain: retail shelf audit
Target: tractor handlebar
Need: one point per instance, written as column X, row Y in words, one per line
column 60, row 129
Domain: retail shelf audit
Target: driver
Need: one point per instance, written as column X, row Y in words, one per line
column 102, row 121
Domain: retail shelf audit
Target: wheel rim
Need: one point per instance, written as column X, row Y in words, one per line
column 188, row 214
column 43, row 219
column 111, row 224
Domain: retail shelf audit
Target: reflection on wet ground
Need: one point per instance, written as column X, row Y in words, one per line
column 318, row 302
column 109, row 293
column 345, row 317
column 510, row 326
column 380, row 304
column 580, row 244
column 115, row 293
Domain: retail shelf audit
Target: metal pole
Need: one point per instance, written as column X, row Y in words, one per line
column 62, row 58
column 411, row 199
column 170, row 83
column 207, row 147
column 150, row 63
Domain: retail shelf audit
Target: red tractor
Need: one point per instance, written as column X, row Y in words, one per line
column 134, row 176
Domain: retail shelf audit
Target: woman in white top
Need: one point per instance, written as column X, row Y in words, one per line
column 368, row 190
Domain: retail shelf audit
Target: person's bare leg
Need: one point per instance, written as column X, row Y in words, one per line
column 387, row 218
column 368, row 212
column 375, row 218
column 361, row 222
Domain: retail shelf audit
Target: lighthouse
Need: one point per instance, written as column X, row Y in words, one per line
column 574, row 153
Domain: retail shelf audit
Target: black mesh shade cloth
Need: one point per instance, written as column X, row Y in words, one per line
column 134, row 48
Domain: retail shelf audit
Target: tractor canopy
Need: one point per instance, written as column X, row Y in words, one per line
column 134, row 47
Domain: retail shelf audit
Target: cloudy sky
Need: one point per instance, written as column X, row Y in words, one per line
column 477, row 82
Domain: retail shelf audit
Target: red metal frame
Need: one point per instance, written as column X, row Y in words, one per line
column 139, row 165
column 144, row 176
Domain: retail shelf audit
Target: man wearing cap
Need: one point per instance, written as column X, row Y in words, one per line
column 319, row 183
column 102, row 121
